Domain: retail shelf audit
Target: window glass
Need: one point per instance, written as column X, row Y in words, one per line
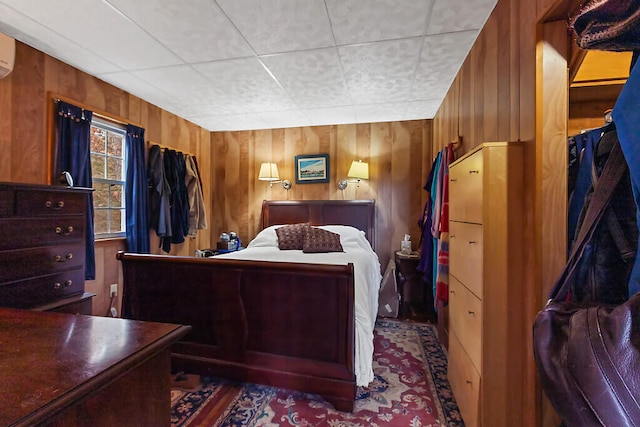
column 108, row 172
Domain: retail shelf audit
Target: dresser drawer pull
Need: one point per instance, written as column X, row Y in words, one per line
column 474, row 171
column 59, row 258
column 453, row 180
column 59, row 205
column 471, row 312
column 62, row 232
column 452, row 292
column 469, row 382
column 59, row 285
column 472, row 242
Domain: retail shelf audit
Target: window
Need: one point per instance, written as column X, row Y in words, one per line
column 108, row 174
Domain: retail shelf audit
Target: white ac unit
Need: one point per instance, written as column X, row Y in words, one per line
column 7, row 55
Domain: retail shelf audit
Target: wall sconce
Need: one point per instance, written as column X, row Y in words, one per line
column 269, row 172
column 358, row 170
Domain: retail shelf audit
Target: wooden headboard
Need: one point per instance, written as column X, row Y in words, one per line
column 356, row 213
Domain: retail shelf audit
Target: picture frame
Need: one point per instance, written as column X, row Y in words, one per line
column 312, row 168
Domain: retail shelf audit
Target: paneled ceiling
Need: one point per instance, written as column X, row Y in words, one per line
column 254, row 64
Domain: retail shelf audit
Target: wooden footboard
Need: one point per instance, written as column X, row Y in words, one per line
column 288, row 325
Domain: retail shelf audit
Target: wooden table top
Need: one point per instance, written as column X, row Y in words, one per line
column 49, row 361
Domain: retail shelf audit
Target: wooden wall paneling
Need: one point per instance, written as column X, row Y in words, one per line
column 416, row 178
column 503, row 14
column 381, row 167
column 514, row 70
column 402, row 187
column 525, row 75
column 478, row 62
column 490, row 79
column 28, row 158
column 551, row 162
column 345, row 154
column 6, row 126
column 217, row 190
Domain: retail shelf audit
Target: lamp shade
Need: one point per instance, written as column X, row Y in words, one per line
column 358, row 170
column 268, row 172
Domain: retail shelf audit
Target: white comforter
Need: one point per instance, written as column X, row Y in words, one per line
column 367, row 281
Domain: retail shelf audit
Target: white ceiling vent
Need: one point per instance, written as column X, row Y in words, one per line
column 7, row 55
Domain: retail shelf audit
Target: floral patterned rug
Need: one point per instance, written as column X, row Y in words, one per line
column 410, row 389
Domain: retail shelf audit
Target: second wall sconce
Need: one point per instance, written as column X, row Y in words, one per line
column 358, row 170
column 269, row 172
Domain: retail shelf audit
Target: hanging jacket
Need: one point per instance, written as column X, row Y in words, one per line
column 197, row 216
column 160, row 194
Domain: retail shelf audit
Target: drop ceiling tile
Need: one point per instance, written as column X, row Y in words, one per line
column 442, row 56
column 382, row 71
column 357, row 21
column 180, row 81
column 313, row 78
column 230, row 122
column 32, row 33
column 97, row 27
column 422, row 109
column 458, row 15
column 283, row 119
column 248, row 81
column 275, row 26
column 196, row 31
column 334, row 115
column 387, row 112
column 136, row 86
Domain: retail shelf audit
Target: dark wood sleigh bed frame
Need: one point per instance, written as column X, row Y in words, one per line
column 288, row 325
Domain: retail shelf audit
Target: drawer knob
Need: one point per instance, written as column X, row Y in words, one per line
column 58, row 205
column 474, row 171
column 58, row 258
column 65, row 232
column 57, row 285
column 469, row 382
column 68, row 283
column 472, row 242
column 452, row 292
column 471, row 312
column 452, row 180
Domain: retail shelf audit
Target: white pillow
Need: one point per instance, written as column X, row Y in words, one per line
column 266, row 238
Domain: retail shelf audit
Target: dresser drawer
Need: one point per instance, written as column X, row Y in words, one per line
column 49, row 203
column 464, row 381
column 19, row 233
column 6, row 202
column 40, row 290
column 465, row 189
column 466, row 255
column 27, row 263
column 465, row 320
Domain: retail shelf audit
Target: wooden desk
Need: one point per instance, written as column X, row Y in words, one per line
column 71, row 370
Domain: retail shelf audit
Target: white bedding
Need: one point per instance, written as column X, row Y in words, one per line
column 367, row 280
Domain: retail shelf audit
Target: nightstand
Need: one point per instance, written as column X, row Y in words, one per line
column 416, row 302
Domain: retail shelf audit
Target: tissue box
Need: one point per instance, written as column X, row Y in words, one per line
column 231, row 245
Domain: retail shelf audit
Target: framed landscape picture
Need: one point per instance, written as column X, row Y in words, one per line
column 312, row 168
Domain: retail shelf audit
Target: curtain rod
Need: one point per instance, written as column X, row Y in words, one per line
column 102, row 114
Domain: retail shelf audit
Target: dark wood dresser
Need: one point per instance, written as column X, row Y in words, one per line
column 68, row 370
column 42, row 247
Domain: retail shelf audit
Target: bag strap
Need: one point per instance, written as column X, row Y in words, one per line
column 612, row 173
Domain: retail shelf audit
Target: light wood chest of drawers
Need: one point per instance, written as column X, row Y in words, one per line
column 487, row 334
column 42, row 247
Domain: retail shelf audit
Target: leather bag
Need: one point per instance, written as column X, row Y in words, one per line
column 612, row 25
column 588, row 355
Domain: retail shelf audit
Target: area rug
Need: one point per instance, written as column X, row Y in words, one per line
column 410, row 389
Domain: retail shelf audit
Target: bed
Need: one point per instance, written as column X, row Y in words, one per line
column 271, row 319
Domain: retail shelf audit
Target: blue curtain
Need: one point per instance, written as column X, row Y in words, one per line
column 136, row 192
column 73, row 156
column 626, row 116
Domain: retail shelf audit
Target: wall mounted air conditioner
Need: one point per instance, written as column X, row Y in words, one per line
column 7, row 55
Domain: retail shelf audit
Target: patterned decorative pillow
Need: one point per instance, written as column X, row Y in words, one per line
column 291, row 236
column 319, row 240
